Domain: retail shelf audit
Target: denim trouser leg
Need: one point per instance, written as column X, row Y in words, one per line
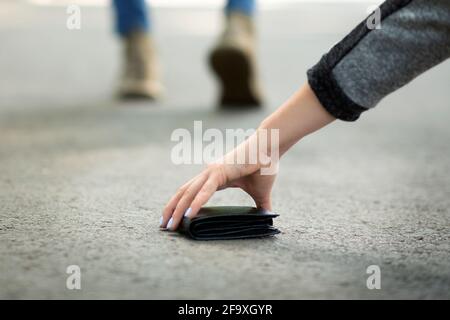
column 131, row 15
column 244, row 6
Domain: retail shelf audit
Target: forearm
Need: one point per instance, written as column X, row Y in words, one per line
column 299, row 116
column 358, row 72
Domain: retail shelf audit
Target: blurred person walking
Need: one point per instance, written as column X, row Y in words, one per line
column 232, row 59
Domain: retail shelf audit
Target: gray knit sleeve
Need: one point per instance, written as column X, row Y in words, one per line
column 368, row 64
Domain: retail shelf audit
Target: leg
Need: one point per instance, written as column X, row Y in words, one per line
column 246, row 7
column 131, row 16
column 140, row 75
column 233, row 59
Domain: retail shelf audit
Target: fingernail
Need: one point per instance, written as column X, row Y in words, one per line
column 161, row 221
column 188, row 212
column 169, row 224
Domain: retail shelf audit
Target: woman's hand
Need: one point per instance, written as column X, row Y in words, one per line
column 299, row 116
column 195, row 193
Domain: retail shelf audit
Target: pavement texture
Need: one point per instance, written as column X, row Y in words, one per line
column 83, row 178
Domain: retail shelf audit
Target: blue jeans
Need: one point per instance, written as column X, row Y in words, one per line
column 132, row 15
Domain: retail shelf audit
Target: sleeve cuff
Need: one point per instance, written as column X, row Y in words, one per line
column 320, row 76
column 331, row 96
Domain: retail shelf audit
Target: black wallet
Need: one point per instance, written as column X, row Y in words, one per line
column 225, row 223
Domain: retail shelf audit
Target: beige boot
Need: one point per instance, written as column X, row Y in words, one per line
column 234, row 61
column 140, row 78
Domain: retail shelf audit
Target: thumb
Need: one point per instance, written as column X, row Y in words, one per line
column 264, row 203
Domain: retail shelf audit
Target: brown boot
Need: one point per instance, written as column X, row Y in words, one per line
column 234, row 61
column 140, row 77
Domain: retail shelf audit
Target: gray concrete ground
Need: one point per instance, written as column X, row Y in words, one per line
column 83, row 178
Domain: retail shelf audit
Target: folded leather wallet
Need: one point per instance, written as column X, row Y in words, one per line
column 225, row 223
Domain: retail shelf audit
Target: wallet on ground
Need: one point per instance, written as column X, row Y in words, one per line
column 224, row 223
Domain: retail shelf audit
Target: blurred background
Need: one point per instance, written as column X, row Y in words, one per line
column 84, row 176
column 89, row 59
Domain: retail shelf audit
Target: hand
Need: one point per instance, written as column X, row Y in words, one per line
column 196, row 192
column 299, row 116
